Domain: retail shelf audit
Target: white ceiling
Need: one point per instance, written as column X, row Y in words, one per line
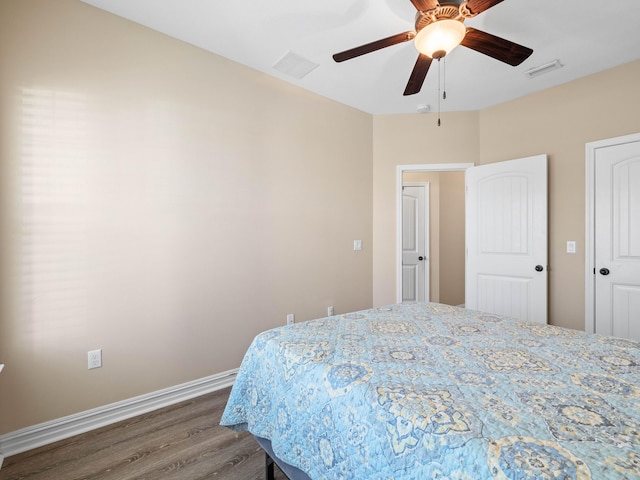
column 586, row 36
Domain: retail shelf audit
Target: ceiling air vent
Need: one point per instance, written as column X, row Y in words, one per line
column 294, row 65
column 542, row 69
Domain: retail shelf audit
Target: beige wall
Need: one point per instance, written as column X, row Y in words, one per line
column 558, row 122
column 452, row 240
column 410, row 140
column 163, row 204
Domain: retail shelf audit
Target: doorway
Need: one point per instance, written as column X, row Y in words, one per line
column 401, row 170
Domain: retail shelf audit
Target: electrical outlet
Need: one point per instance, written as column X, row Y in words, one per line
column 291, row 318
column 95, row 359
column 330, row 311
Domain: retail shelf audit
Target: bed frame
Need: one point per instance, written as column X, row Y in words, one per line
column 291, row 472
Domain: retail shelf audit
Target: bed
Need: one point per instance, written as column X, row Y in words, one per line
column 427, row 391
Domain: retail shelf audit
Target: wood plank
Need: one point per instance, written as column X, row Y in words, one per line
column 182, row 441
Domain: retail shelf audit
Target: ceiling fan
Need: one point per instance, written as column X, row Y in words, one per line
column 439, row 29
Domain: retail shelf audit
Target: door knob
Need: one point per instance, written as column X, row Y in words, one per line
column 604, row 271
column 539, row 268
column 420, row 258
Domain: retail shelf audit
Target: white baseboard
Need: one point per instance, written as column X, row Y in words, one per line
column 65, row 427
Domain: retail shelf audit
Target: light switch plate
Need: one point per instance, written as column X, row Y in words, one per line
column 357, row 245
column 571, row 247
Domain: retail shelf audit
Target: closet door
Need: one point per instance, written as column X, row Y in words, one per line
column 617, row 240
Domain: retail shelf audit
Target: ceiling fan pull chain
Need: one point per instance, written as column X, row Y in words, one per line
column 438, row 92
column 444, row 79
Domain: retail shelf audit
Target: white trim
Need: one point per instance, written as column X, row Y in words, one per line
column 589, row 248
column 400, row 169
column 65, row 427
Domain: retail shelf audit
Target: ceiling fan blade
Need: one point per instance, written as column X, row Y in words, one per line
column 424, row 5
column 373, row 46
column 479, row 6
column 495, row 47
column 418, row 75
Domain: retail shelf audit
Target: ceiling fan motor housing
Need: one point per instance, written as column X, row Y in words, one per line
column 444, row 11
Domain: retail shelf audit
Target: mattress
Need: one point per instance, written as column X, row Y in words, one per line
column 419, row 391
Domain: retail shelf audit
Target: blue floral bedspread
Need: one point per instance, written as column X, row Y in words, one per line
column 428, row 391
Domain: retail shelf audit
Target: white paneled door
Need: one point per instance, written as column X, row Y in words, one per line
column 506, row 238
column 617, row 240
column 415, row 260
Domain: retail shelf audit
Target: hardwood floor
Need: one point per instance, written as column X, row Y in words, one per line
column 182, row 441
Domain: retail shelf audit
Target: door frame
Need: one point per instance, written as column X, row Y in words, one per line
column 400, row 169
column 590, row 220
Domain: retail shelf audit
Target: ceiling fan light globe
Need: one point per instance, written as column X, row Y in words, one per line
column 438, row 38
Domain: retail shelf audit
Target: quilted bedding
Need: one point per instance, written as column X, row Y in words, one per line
column 428, row 391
